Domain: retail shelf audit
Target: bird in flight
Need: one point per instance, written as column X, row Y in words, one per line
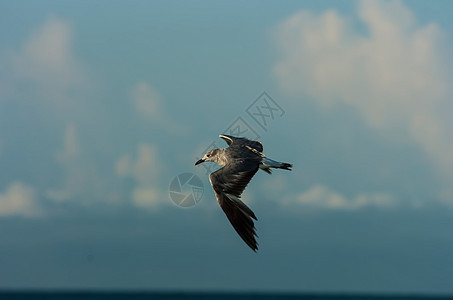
column 240, row 161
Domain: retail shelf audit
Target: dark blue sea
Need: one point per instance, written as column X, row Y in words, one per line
column 197, row 296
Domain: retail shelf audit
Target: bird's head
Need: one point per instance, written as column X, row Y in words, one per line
column 209, row 156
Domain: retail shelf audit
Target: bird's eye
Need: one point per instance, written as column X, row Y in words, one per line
column 207, row 155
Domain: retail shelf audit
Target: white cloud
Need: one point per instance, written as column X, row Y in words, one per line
column 146, row 99
column 45, row 63
column 145, row 197
column 58, row 195
column 81, row 180
column 71, row 148
column 44, row 76
column 123, row 165
column 322, row 197
column 68, row 157
column 149, row 103
column 145, row 169
column 395, row 75
column 19, row 200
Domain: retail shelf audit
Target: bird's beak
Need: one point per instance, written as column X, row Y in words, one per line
column 199, row 161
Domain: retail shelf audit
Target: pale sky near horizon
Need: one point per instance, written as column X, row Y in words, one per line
column 103, row 103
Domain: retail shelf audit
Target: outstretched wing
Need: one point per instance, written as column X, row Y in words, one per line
column 229, row 182
column 241, row 142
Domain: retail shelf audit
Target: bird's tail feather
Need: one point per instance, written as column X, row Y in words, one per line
column 268, row 163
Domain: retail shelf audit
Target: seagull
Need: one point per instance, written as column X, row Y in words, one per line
column 239, row 162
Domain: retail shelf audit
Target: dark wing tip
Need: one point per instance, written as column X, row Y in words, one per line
column 240, row 216
column 228, row 184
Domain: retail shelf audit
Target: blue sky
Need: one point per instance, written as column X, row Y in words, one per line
column 103, row 104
